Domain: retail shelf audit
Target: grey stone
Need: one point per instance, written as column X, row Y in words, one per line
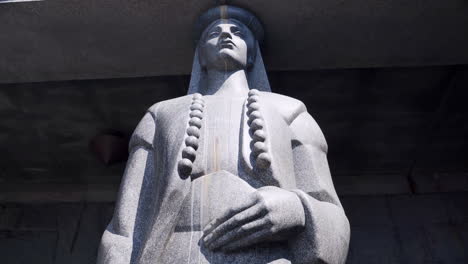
column 341, row 100
column 417, row 210
column 367, row 211
column 22, row 247
column 9, row 217
column 233, row 201
column 373, row 231
column 433, row 181
column 372, row 184
column 123, row 39
column 456, row 204
column 37, row 217
column 446, row 244
column 462, row 231
column 79, row 232
column 6, row 104
column 433, row 243
column 374, row 244
column 69, row 219
column 414, row 244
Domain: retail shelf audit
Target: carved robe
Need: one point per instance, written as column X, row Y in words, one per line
column 151, row 212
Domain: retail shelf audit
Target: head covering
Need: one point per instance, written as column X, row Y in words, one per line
column 229, row 12
column 256, row 74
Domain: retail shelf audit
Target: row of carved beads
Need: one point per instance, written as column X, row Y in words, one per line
column 189, row 153
column 257, row 131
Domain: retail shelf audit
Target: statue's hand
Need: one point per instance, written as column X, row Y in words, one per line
column 270, row 213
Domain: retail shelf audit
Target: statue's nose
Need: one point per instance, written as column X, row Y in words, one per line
column 225, row 34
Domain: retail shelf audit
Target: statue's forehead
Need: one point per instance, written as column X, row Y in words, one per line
column 228, row 21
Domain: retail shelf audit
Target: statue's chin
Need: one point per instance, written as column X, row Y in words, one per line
column 227, row 52
column 228, row 60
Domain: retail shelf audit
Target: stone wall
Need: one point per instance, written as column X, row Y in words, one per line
column 413, row 229
column 391, row 131
column 397, row 152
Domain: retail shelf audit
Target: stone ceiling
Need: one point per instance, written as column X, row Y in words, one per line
column 88, row 39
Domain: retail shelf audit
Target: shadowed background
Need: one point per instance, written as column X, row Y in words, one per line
column 385, row 81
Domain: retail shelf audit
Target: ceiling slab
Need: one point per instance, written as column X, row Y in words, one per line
column 88, row 39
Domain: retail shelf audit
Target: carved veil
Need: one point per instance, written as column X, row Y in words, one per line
column 256, row 74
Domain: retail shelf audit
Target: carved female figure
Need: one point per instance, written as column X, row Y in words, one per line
column 230, row 173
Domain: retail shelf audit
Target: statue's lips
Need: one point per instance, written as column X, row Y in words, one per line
column 226, row 44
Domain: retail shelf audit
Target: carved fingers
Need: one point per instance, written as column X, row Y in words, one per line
column 227, row 215
column 245, row 235
column 270, row 213
column 250, row 239
column 236, row 226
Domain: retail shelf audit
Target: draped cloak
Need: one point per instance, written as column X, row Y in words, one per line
column 152, row 192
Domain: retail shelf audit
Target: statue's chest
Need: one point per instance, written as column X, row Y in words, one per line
column 244, row 136
column 220, row 135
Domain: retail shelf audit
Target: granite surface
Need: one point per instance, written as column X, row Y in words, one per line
column 230, row 173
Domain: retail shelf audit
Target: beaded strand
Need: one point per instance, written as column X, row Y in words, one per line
column 189, row 153
column 257, row 131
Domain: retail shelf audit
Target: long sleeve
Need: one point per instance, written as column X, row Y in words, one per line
column 119, row 239
column 327, row 232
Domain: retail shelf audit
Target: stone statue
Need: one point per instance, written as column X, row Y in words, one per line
column 231, row 172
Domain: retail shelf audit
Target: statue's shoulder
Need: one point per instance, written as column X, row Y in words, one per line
column 169, row 106
column 143, row 134
column 304, row 126
column 288, row 107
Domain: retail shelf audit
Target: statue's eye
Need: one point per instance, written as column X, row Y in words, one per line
column 213, row 34
column 238, row 33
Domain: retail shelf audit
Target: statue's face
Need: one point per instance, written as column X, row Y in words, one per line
column 226, row 45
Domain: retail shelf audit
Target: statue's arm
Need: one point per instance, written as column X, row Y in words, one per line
column 327, row 232
column 118, row 239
